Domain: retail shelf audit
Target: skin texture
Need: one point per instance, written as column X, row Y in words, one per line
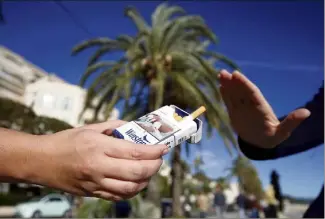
column 83, row 161
column 251, row 115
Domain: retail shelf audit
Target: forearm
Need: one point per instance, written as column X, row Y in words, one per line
column 21, row 157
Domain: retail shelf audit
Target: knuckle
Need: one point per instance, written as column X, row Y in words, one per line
column 140, row 171
column 107, row 196
column 116, row 198
column 135, row 153
column 131, row 189
column 84, row 136
column 86, row 170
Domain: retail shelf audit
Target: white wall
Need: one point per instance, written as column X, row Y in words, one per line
column 55, row 99
column 60, row 100
column 232, row 193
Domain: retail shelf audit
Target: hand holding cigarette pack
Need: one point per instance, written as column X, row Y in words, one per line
column 168, row 125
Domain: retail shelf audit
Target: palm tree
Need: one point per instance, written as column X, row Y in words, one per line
column 247, row 175
column 198, row 162
column 222, row 182
column 162, row 64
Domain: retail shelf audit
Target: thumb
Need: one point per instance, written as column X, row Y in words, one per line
column 291, row 122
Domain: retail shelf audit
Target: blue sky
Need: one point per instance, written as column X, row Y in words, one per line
column 278, row 45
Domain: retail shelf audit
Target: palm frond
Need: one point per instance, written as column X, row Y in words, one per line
column 93, row 68
column 183, row 24
column 222, row 58
column 139, row 21
column 90, row 43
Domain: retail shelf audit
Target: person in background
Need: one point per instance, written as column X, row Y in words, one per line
column 240, row 201
column 122, row 209
column 203, row 204
column 219, row 202
column 271, row 202
column 262, row 136
column 255, row 207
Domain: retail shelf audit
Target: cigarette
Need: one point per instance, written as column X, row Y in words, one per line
column 198, row 112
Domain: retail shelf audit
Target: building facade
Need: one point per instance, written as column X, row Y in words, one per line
column 63, row 101
column 46, row 93
column 15, row 74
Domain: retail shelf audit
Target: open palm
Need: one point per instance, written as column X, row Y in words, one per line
column 251, row 115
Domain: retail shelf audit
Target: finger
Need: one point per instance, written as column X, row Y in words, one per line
column 250, row 93
column 122, row 149
column 123, row 189
column 291, row 122
column 226, row 99
column 245, row 82
column 105, row 127
column 129, row 170
column 224, row 77
column 233, row 93
column 107, row 196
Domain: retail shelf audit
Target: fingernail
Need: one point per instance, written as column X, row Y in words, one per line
column 165, row 151
column 223, row 71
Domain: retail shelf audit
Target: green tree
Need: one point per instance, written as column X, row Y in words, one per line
column 14, row 115
column 198, row 162
column 247, row 175
column 160, row 65
column 222, row 182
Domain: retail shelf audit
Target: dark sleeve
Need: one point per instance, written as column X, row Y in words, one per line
column 309, row 134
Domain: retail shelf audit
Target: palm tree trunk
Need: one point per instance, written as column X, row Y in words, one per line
column 177, row 182
column 152, row 194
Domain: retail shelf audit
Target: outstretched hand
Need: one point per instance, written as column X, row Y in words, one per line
column 251, row 115
column 87, row 161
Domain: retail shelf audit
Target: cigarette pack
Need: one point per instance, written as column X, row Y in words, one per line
column 167, row 125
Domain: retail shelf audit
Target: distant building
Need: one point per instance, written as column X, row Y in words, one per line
column 46, row 93
column 15, row 74
column 63, row 101
column 232, row 193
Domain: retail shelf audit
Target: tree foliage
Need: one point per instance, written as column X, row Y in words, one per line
column 19, row 117
column 222, row 182
column 247, row 175
column 163, row 63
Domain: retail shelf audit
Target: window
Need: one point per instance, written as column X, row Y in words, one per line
column 66, row 103
column 55, row 199
column 48, row 101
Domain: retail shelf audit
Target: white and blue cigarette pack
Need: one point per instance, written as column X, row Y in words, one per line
column 167, row 125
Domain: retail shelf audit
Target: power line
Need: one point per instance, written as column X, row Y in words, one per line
column 2, row 19
column 76, row 21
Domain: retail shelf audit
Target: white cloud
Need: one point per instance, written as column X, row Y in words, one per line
column 213, row 165
column 275, row 66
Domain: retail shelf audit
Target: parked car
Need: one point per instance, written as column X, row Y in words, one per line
column 52, row 205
